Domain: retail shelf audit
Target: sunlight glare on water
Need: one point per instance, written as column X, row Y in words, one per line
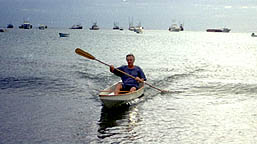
column 50, row 95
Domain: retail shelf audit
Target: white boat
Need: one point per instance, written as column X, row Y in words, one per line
column 131, row 25
column 131, row 28
column 139, row 29
column 110, row 100
column 174, row 28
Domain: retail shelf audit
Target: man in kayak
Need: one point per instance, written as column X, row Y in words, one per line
column 128, row 83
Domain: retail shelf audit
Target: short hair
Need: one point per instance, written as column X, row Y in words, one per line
column 130, row 55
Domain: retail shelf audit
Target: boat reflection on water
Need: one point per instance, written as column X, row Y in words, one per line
column 116, row 121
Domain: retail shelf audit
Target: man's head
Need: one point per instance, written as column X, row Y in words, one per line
column 130, row 59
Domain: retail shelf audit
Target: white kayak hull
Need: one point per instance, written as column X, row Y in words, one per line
column 110, row 100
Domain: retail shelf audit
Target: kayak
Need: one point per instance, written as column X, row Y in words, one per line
column 109, row 99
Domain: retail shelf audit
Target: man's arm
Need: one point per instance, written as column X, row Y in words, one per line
column 113, row 70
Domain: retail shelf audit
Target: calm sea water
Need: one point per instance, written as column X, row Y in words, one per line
column 50, row 95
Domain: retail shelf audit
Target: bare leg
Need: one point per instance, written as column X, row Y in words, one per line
column 118, row 88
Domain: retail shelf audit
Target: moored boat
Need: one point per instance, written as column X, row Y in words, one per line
column 181, row 27
column 175, row 28
column 109, row 99
column 219, row 30
column 2, row 30
column 10, row 26
column 214, row 30
column 226, row 30
column 131, row 28
column 94, row 27
column 64, row 34
column 253, row 35
column 139, row 29
column 25, row 25
column 116, row 26
column 77, row 27
column 42, row 27
column 131, row 25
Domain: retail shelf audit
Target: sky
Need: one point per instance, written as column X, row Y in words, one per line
column 196, row 15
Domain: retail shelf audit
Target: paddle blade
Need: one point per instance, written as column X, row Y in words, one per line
column 84, row 54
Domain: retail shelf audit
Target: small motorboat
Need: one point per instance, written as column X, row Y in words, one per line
column 76, row 27
column 110, row 100
column 214, row 30
column 174, row 28
column 25, row 25
column 42, row 27
column 94, row 27
column 10, row 26
column 226, row 30
column 2, row 30
column 64, row 34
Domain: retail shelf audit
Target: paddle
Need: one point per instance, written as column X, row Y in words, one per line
column 89, row 56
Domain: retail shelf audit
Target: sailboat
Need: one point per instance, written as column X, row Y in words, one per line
column 139, row 28
column 131, row 25
column 115, row 26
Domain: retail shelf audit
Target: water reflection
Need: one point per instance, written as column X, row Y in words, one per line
column 119, row 123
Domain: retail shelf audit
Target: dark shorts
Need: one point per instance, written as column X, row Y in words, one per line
column 127, row 87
